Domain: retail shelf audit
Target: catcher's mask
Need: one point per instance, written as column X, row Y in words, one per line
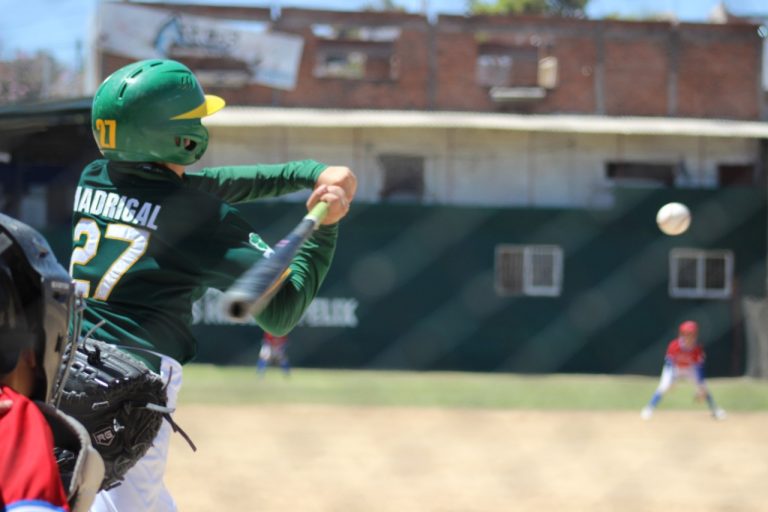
column 37, row 303
column 150, row 111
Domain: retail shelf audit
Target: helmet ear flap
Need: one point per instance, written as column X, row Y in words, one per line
column 186, row 143
column 191, row 144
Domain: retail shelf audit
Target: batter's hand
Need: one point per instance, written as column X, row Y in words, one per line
column 341, row 177
column 338, row 205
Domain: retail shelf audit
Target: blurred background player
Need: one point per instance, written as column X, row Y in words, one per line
column 36, row 306
column 151, row 238
column 684, row 360
column 273, row 351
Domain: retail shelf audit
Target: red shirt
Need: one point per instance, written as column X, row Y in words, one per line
column 275, row 341
column 683, row 358
column 29, row 476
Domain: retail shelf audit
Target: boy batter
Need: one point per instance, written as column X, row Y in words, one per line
column 149, row 238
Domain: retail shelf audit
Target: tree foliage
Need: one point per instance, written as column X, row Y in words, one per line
column 383, row 5
column 29, row 78
column 570, row 8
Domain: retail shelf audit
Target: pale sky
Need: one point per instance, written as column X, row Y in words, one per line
column 57, row 25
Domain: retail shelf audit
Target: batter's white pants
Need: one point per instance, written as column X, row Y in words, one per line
column 143, row 489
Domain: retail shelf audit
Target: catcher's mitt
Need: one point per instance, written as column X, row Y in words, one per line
column 119, row 401
column 80, row 466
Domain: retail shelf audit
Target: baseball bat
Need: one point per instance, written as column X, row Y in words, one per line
column 252, row 291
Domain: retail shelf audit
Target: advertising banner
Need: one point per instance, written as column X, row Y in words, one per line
column 221, row 53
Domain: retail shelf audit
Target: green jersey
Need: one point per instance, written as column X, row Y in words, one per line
column 148, row 243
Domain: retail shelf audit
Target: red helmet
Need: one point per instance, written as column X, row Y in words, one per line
column 689, row 327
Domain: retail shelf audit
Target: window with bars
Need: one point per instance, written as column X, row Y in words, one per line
column 500, row 65
column 641, row 173
column 700, row 274
column 535, row 270
column 356, row 52
column 403, row 177
column 731, row 175
column 355, row 60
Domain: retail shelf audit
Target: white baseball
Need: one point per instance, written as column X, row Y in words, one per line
column 673, row 218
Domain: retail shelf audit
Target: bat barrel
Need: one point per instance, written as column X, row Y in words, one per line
column 251, row 293
column 237, row 307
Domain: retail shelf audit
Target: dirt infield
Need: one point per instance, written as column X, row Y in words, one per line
column 355, row 459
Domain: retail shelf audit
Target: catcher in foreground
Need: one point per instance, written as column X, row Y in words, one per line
column 37, row 305
column 149, row 239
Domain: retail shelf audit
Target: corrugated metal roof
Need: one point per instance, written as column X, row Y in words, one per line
column 319, row 118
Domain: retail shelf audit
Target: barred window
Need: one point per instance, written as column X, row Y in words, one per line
column 535, row 270
column 641, row 173
column 502, row 65
column 403, row 177
column 700, row 274
column 355, row 61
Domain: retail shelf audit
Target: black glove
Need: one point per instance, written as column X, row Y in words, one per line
column 119, row 401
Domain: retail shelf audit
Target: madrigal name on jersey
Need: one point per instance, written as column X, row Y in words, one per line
column 116, row 207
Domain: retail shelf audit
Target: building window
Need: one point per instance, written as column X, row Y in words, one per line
column 729, row 175
column 700, row 274
column 356, row 53
column 535, row 270
column 641, row 173
column 355, row 61
column 500, row 65
column 403, row 177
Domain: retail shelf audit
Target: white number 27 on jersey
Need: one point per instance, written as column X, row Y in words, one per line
column 137, row 240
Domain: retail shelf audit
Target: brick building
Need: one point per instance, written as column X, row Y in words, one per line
column 392, row 60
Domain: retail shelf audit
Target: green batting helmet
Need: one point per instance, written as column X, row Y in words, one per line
column 150, row 111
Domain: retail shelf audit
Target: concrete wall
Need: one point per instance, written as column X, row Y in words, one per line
column 486, row 167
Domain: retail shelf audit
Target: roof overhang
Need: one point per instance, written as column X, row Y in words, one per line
column 243, row 117
column 40, row 115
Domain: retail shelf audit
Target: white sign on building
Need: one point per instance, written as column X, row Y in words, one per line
column 226, row 53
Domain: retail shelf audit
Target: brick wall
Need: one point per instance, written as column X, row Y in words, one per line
column 637, row 61
column 603, row 67
column 718, row 71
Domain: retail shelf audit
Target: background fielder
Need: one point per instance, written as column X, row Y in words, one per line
column 273, row 350
column 684, row 360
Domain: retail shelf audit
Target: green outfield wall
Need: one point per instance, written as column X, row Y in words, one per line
column 412, row 287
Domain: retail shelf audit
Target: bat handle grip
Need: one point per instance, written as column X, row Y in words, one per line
column 317, row 213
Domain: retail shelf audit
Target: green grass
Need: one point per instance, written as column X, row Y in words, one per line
column 205, row 384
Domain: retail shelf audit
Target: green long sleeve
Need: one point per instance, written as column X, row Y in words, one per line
column 308, row 270
column 242, row 183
